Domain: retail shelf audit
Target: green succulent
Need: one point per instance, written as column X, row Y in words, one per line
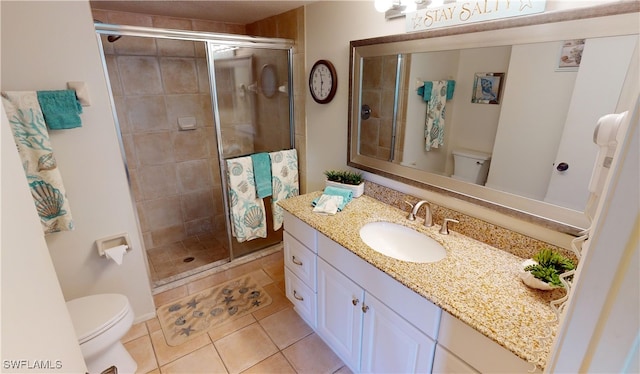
column 549, row 266
column 346, row 177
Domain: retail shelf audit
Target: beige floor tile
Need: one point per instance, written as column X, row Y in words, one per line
column 275, row 270
column 153, row 325
column 227, row 328
column 344, row 370
column 154, row 371
column 278, row 302
column 203, row 360
column 285, row 327
column 166, row 353
column 136, row 331
column 243, row 269
column 261, row 277
column 141, row 350
column 274, row 364
column 312, row 355
column 234, row 350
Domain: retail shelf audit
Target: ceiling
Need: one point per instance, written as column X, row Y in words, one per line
column 238, row 11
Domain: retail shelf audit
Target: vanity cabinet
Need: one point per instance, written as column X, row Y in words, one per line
column 374, row 323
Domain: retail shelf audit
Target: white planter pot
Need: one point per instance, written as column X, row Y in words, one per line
column 531, row 281
column 356, row 190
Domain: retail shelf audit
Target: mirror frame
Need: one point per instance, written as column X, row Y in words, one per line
column 576, row 23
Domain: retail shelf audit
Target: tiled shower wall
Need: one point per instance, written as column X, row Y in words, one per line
column 175, row 175
column 378, row 91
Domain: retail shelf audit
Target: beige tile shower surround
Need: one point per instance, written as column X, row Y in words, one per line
column 477, row 282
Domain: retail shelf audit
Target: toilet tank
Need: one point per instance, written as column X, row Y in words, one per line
column 471, row 166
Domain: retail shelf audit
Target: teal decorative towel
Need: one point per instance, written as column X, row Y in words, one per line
column 425, row 91
column 34, row 146
column 262, row 174
column 61, row 109
column 345, row 194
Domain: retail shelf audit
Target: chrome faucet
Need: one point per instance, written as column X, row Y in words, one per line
column 428, row 219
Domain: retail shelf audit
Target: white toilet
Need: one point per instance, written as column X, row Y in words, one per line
column 471, row 166
column 100, row 322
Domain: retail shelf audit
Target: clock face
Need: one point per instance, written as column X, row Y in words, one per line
column 322, row 82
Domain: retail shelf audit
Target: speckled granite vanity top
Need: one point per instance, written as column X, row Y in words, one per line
column 476, row 283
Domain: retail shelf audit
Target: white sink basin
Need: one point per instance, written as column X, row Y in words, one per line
column 401, row 242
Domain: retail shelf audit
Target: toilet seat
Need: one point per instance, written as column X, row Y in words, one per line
column 92, row 315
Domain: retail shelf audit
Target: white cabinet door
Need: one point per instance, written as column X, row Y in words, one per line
column 339, row 314
column 392, row 345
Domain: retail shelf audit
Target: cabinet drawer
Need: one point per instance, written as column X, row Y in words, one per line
column 480, row 352
column 300, row 260
column 303, row 299
column 305, row 234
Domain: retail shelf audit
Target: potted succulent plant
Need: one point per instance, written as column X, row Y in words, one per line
column 346, row 179
column 544, row 269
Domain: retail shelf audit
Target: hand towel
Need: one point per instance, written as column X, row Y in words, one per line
column 427, row 88
column 262, row 174
column 327, row 204
column 61, row 109
column 248, row 217
column 284, row 170
column 434, row 121
column 32, row 140
column 346, row 196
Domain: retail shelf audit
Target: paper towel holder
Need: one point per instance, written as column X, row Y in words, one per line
column 112, row 241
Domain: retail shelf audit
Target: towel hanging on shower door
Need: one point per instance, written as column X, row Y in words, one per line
column 248, row 217
column 284, row 170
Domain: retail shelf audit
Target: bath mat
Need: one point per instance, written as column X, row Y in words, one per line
column 195, row 314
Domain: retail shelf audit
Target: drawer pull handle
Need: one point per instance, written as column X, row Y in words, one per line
column 364, row 308
column 355, row 301
column 297, row 297
column 296, row 261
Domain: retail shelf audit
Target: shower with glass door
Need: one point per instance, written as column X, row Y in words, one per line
column 184, row 103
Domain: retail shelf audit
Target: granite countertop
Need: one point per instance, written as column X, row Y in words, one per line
column 475, row 282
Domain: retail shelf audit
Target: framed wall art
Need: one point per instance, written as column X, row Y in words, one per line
column 487, row 88
column 570, row 55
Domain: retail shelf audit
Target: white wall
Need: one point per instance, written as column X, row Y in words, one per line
column 35, row 320
column 44, row 45
column 330, row 26
column 531, row 120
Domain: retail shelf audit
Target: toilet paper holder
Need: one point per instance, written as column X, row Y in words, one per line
column 111, row 242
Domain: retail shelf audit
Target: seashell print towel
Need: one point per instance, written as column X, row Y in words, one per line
column 248, row 217
column 32, row 140
column 284, row 173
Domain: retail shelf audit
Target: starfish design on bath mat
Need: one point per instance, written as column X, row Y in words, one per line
column 228, row 299
column 187, row 330
column 192, row 303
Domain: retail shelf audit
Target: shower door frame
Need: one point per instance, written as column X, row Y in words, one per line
column 210, row 39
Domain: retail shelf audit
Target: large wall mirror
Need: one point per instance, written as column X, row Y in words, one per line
column 517, row 101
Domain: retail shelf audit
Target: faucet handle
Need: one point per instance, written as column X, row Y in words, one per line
column 444, row 230
column 411, row 216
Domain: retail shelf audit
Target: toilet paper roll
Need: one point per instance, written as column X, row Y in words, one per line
column 116, row 253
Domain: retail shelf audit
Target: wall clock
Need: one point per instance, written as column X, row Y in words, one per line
column 323, row 81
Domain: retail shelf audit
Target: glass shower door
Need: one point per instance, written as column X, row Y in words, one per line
column 253, row 109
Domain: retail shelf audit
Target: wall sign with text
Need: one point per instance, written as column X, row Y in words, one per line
column 464, row 12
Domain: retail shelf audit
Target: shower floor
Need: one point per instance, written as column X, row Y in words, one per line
column 178, row 260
